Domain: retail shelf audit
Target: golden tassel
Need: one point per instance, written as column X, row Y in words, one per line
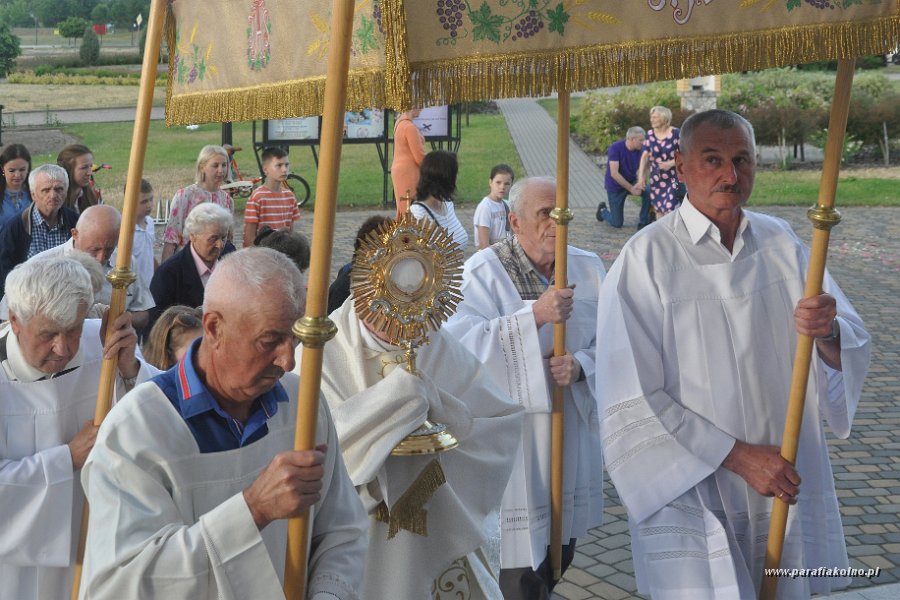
column 408, row 512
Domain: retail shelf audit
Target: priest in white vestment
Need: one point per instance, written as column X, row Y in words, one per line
column 376, row 403
column 51, row 358
column 194, row 476
column 506, row 320
column 699, row 318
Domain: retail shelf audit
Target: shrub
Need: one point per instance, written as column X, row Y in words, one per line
column 786, row 107
column 9, row 50
column 90, row 48
column 604, row 118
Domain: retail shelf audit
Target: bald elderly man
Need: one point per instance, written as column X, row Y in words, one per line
column 97, row 234
column 194, row 476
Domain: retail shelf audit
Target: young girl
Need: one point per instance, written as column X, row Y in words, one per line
column 491, row 216
column 15, row 163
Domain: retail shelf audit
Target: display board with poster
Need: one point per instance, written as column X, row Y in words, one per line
column 365, row 125
column 434, row 123
column 439, row 124
column 291, row 131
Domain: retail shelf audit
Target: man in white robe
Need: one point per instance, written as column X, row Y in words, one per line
column 699, row 318
column 376, row 403
column 506, row 320
column 51, row 359
column 194, row 474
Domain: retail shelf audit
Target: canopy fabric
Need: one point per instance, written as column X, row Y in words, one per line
column 237, row 60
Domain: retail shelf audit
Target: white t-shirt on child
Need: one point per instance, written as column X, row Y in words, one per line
column 493, row 215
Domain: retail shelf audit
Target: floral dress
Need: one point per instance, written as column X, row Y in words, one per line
column 663, row 182
column 183, row 203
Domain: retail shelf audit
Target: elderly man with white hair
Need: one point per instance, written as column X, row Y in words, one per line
column 506, row 320
column 51, row 358
column 97, row 234
column 194, row 474
column 45, row 223
column 182, row 278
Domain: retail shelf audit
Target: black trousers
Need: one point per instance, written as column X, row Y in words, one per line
column 528, row 584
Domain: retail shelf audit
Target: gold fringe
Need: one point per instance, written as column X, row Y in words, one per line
column 304, row 97
column 485, row 77
column 520, row 75
column 408, row 512
column 397, row 76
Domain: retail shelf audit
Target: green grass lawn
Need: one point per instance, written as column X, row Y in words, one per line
column 801, row 188
column 171, row 155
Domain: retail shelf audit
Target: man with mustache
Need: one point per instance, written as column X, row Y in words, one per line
column 696, row 328
column 193, row 475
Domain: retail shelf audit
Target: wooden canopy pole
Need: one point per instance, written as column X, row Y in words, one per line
column 122, row 276
column 314, row 329
column 823, row 217
column 562, row 215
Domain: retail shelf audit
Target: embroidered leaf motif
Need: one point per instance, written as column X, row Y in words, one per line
column 486, row 24
column 558, row 18
column 792, row 4
column 366, row 36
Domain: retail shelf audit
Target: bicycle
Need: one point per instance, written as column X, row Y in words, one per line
column 240, row 187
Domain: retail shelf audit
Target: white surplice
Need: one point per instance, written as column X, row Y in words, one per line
column 40, row 496
column 496, row 325
column 170, row 522
column 373, row 413
column 697, row 352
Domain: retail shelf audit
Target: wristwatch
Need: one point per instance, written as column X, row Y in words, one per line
column 835, row 331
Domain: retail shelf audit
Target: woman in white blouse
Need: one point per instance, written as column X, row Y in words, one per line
column 434, row 194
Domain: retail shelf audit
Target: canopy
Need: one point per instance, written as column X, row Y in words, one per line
column 259, row 59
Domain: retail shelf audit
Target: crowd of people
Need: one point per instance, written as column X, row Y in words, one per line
column 674, row 377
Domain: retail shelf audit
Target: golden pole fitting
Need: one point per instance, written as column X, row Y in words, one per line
column 823, row 217
column 562, row 216
column 313, row 332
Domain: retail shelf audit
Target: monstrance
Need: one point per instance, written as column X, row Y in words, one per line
column 405, row 283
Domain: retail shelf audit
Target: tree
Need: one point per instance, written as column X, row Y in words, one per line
column 9, row 50
column 100, row 14
column 90, row 48
column 16, row 14
column 73, row 27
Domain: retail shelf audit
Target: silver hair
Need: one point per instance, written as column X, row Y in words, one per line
column 517, row 191
column 54, row 172
column 635, row 131
column 206, row 153
column 720, row 119
column 664, row 112
column 54, row 287
column 204, row 215
column 256, row 271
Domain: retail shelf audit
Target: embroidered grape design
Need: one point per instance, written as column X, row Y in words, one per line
column 450, row 14
column 528, row 26
column 822, row 4
column 376, row 14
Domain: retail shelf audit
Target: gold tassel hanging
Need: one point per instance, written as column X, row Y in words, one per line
column 408, row 512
